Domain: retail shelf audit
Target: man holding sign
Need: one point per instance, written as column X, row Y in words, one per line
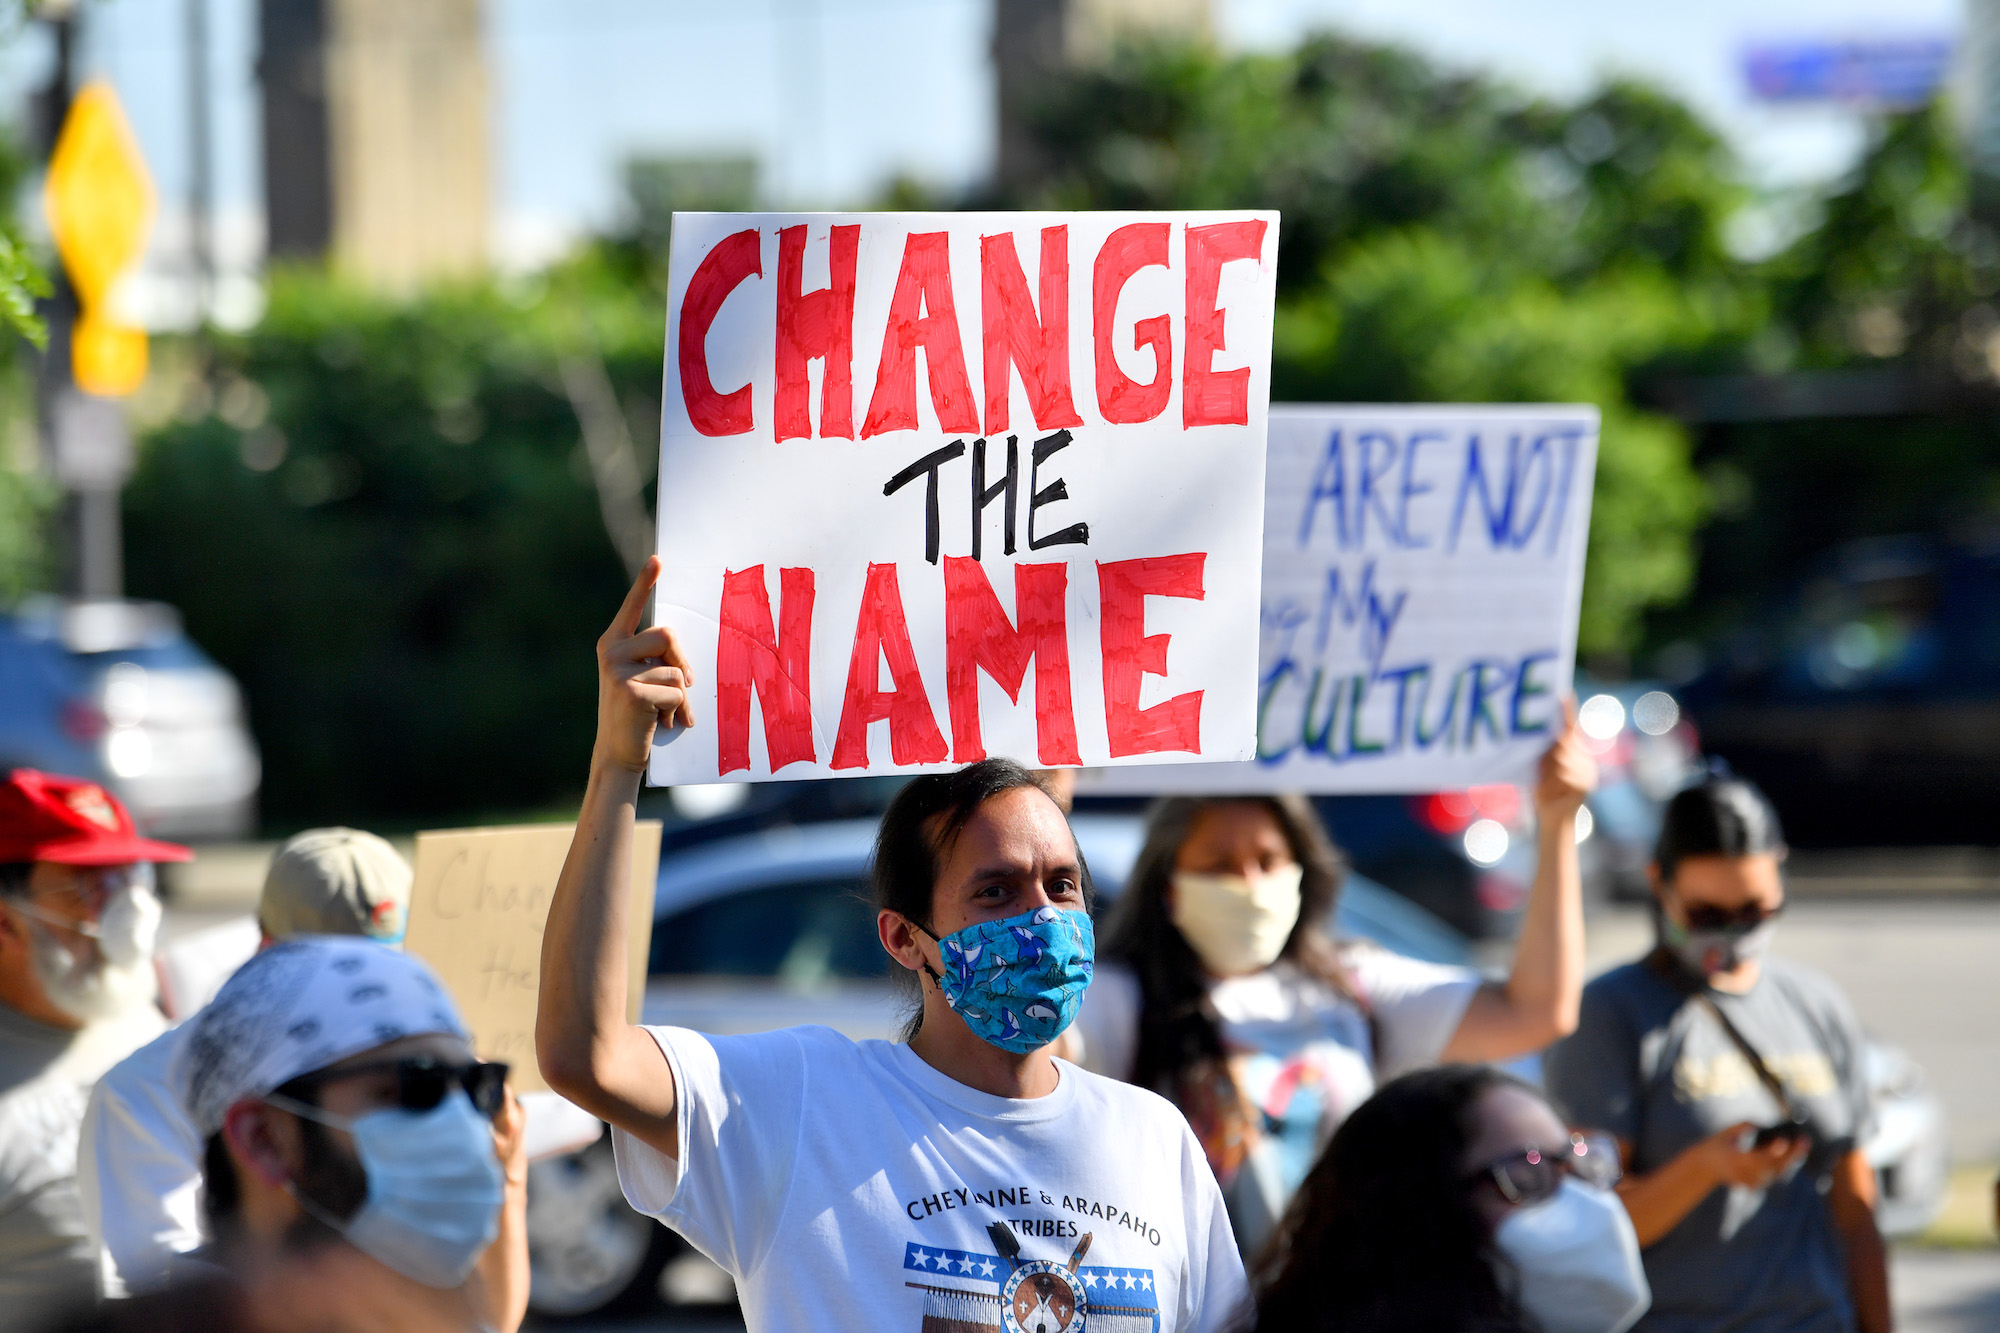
column 865, row 565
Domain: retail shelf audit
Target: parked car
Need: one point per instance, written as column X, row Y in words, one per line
column 115, row 691
column 1866, row 698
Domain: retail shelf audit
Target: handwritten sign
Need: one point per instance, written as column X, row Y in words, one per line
column 1422, row 571
column 939, row 486
column 477, row 909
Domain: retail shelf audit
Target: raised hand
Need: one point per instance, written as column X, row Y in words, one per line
column 1568, row 772
column 643, row 679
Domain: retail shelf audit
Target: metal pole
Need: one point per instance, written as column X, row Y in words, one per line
column 201, row 240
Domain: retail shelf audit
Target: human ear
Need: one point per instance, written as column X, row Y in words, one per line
column 901, row 939
column 259, row 1146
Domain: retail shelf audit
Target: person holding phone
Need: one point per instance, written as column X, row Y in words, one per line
column 1734, row 1082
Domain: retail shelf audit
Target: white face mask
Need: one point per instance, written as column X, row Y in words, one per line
column 1238, row 925
column 86, row 983
column 1576, row 1261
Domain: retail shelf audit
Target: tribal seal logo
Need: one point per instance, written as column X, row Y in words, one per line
column 1042, row 1296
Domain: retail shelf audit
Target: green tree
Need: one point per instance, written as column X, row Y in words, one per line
column 1447, row 239
column 380, row 517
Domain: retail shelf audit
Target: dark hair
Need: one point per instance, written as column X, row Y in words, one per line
column 1718, row 816
column 916, row 832
column 14, row 877
column 333, row 1178
column 1180, row 1051
column 1383, row 1237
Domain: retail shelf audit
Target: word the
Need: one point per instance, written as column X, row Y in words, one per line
column 983, row 495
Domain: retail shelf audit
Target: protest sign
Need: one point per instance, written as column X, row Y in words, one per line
column 934, row 487
column 477, row 909
column 1422, row 571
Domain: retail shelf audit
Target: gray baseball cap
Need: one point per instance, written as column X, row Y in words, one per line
column 336, row 881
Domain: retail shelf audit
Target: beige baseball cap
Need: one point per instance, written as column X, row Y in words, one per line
column 336, row 881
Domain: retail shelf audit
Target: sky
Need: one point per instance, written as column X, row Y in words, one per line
column 835, row 97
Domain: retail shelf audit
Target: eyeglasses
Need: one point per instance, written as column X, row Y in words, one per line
column 1707, row 916
column 422, row 1081
column 1532, row 1175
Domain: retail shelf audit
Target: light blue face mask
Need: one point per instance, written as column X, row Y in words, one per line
column 1017, row 983
column 434, row 1187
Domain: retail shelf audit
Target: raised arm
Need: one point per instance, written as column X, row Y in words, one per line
column 586, row 1049
column 1538, row 1002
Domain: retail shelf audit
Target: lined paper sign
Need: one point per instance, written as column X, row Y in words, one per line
column 1423, row 568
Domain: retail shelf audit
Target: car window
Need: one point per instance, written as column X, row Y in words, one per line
column 802, row 933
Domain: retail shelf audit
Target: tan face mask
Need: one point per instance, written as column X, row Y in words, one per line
column 1237, row 925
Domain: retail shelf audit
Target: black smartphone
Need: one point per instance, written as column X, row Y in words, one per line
column 1787, row 1130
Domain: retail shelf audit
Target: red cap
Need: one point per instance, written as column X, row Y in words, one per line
column 71, row 822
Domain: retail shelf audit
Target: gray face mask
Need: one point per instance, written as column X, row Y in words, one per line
column 1709, row 953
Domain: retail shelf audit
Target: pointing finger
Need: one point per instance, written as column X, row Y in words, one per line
column 631, row 616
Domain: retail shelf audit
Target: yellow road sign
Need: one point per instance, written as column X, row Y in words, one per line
column 100, row 205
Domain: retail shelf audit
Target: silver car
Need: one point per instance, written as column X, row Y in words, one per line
column 115, row 691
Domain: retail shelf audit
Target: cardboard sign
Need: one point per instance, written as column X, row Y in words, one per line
column 1422, row 572
column 477, row 909
column 935, row 487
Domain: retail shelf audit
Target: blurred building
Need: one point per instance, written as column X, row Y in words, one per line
column 1033, row 39
column 1976, row 84
column 375, row 136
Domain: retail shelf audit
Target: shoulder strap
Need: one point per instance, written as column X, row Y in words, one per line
column 1670, row 970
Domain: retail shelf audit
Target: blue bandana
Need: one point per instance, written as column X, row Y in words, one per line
column 1017, row 983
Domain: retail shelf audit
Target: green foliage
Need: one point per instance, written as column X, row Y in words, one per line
column 384, row 528
column 1446, row 240
column 21, row 277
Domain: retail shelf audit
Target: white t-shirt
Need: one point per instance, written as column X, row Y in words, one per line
column 139, row 1170
column 852, row 1187
column 1303, row 1054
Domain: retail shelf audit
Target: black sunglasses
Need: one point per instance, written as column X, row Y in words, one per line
column 1707, row 916
column 422, row 1081
column 1532, row 1176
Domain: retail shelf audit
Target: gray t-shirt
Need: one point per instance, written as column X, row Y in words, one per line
column 1655, row 1067
column 45, row 1078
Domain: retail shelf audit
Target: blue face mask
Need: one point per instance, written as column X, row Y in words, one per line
column 1017, row 983
column 434, row 1187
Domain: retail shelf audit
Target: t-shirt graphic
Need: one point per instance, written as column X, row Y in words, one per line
column 854, row 1187
column 967, row 1292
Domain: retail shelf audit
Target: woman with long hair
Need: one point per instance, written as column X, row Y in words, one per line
column 1455, row 1201
column 1221, row 987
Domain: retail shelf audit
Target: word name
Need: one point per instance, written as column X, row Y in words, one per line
column 771, row 657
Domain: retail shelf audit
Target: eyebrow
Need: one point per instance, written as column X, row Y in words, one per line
column 1016, row 871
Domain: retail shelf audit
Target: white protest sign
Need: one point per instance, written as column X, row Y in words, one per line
column 937, row 486
column 1422, row 572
